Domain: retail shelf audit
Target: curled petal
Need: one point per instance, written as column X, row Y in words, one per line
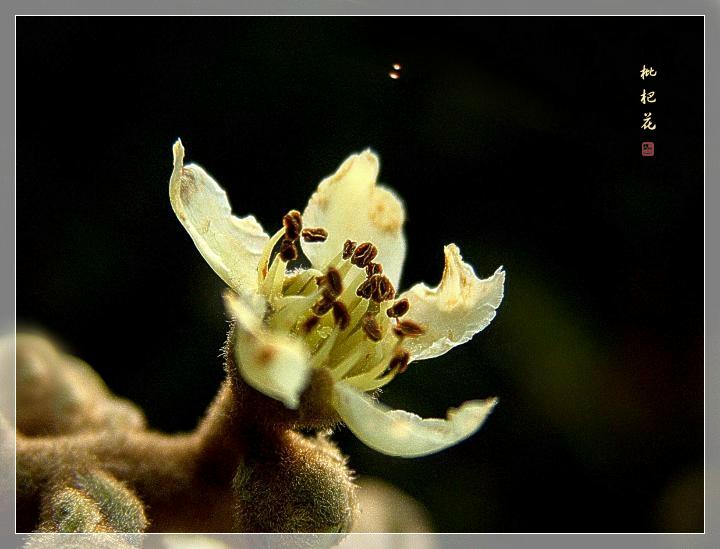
column 274, row 364
column 349, row 205
column 402, row 434
column 451, row 314
column 232, row 246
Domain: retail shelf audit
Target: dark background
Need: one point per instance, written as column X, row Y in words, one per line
column 517, row 138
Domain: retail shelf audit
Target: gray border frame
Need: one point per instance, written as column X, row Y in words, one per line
column 709, row 8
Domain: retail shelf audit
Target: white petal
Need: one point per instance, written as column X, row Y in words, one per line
column 274, row 364
column 349, row 205
column 456, row 310
column 232, row 246
column 400, row 433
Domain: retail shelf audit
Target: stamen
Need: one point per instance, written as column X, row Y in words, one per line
column 408, row 328
column 299, row 282
column 373, row 269
column 348, row 249
column 399, row 308
column 377, row 287
column 357, row 310
column 292, row 221
column 310, row 323
column 384, row 290
column 371, row 327
column 322, row 306
column 288, row 251
column 363, row 254
column 400, row 361
column 366, row 288
column 291, row 311
column 341, row 315
column 317, row 234
column 328, row 294
column 334, row 281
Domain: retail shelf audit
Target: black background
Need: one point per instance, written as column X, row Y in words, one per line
column 517, row 138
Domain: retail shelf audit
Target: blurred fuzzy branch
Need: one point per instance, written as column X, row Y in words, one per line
column 86, row 461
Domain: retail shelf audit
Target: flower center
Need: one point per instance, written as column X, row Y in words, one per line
column 345, row 311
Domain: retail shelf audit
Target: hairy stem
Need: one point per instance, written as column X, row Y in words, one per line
column 188, row 481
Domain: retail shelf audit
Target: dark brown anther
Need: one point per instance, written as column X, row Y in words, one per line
column 371, row 327
column 377, row 287
column 316, row 234
column 288, row 251
column 373, row 269
column 382, row 289
column 348, row 249
column 329, row 295
column 292, row 221
column 341, row 315
column 333, row 281
column 399, row 308
column 310, row 323
column 365, row 289
column 322, row 306
column 399, row 361
column 363, row 255
column 409, row 328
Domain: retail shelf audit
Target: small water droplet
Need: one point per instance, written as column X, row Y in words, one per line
column 324, row 331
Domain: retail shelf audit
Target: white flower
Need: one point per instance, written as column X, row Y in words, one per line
column 341, row 313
